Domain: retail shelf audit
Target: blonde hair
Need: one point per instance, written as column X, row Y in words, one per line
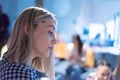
column 20, row 44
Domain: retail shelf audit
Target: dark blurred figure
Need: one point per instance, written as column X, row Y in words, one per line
column 4, row 23
column 109, row 41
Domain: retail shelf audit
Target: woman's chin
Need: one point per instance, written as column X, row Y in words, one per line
column 47, row 55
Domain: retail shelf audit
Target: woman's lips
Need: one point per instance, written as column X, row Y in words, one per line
column 51, row 48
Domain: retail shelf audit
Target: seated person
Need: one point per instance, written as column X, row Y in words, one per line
column 76, row 60
column 102, row 72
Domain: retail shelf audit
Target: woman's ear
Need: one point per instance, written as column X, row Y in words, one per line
column 26, row 29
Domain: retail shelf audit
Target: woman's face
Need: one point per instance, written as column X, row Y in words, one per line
column 104, row 73
column 44, row 38
column 75, row 40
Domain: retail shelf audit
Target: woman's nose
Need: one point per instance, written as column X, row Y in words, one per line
column 54, row 40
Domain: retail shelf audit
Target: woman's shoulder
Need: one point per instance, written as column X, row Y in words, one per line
column 15, row 66
column 17, row 71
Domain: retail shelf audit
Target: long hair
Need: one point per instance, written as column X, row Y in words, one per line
column 79, row 43
column 20, row 44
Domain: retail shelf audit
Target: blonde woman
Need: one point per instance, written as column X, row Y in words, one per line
column 30, row 47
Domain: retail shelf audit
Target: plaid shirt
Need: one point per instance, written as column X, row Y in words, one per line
column 16, row 71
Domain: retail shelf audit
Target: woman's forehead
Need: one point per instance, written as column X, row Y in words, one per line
column 51, row 23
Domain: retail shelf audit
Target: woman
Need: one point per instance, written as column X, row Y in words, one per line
column 76, row 59
column 30, row 47
column 78, row 54
column 103, row 72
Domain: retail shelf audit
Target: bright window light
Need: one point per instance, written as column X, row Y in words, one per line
column 96, row 28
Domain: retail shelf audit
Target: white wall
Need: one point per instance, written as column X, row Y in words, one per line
column 98, row 11
column 103, row 10
column 74, row 15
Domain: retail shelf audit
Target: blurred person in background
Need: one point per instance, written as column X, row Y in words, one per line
column 109, row 41
column 29, row 55
column 102, row 72
column 76, row 60
column 4, row 24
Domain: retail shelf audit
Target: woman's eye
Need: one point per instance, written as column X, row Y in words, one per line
column 50, row 33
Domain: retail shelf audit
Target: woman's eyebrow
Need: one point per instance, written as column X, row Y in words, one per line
column 52, row 26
